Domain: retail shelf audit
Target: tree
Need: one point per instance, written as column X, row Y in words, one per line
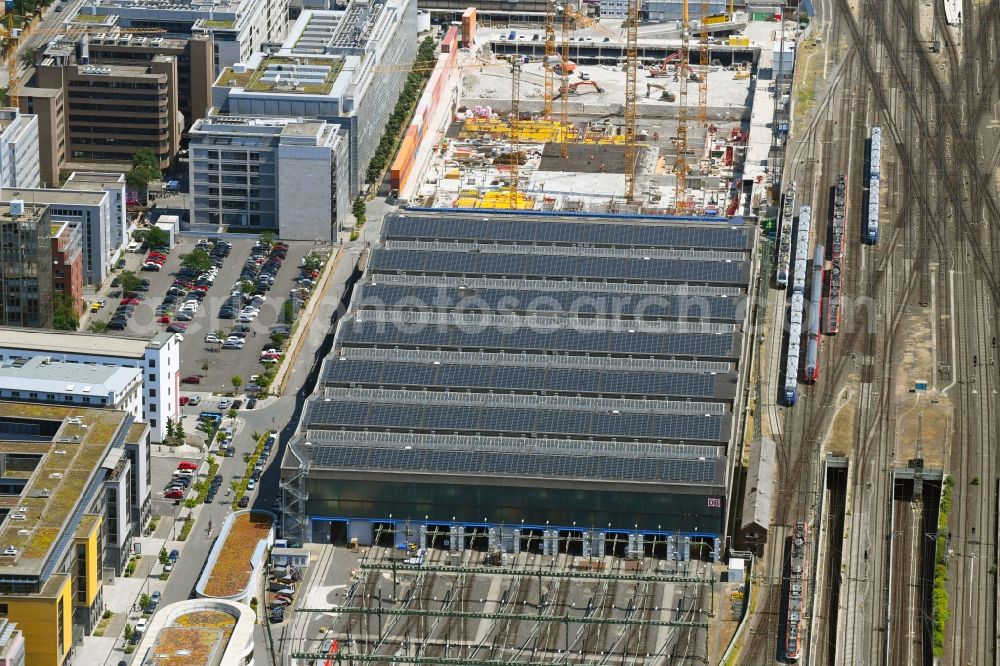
column 170, row 428
column 28, row 58
column 232, row 413
column 64, row 316
column 237, row 382
column 197, row 260
column 97, row 326
column 359, row 209
column 164, row 557
column 129, row 631
column 179, row 430
column 143, row 600
column 129, row 281
column 145, row 168
column 248, row 287
column 157, row 237
column 267, row 237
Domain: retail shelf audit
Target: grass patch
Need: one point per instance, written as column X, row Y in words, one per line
column 102, row 626
column 241, row 487
column 940, row 594
column 186, row 529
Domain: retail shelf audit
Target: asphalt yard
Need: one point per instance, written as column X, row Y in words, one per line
column 222, row 364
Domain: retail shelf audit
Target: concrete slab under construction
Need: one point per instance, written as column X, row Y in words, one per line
column 584, row 158
column 451, row 605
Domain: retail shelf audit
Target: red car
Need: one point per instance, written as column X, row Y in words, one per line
column 174, row 494
column 184, row 400
column 165, row 319
column 184, row 464
column 202, row 287
column 156, row 255
column 129, row 301
column 191, row 379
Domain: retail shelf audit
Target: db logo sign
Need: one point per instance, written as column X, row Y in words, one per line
column 714, row 502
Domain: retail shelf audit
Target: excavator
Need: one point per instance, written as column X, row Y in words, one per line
column 664, row 69
column 574, row 88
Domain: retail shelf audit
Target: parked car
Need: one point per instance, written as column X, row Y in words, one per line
column 195, row 400
column 174, row 493
column 174, row 554
column 237, row 404
column 191, row 379
column 212, row 338
column 244, row 501
column 184, row 400
column 176, row 327
column 251, row 484
column 251, row 403
column 188, row 465
column 224, row 404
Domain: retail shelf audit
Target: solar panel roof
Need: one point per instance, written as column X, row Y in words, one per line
column 622, row 233
column 514, row 299
column 458, row 376
column 438, row 336
column 516, row 464
column 436, row 417
column 637, row 269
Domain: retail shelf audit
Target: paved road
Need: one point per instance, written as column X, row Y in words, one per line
column 281, row 414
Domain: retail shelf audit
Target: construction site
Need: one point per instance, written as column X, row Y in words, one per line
column 549, row 604
column 580, row 116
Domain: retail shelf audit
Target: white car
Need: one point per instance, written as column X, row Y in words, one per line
column 251, row 484
column 246, row 318
column 213, row 338
column 184, row 472
column 224, row 404
column 140, row 626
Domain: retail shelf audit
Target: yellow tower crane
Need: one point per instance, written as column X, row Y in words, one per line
column 550, row 57
column 631, row 80
column 515, row 122
column 703, row 62
column 684, row 67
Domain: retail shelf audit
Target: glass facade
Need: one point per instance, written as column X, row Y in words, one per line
column 703, row 513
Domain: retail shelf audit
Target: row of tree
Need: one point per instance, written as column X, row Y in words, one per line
column 408, row 99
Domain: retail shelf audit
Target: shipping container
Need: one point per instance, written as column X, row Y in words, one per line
column 450, row 41
column 468, row 27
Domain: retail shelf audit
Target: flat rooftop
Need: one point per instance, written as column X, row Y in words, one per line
column 231, row 572
column 539, row 345
column 58, row 450
column 196, row 638
column 47, row 375
column 45, row 196
column 12, row 339
column 286, row 74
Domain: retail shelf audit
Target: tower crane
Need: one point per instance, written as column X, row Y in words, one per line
column 631, row 79
column 684, row 66
column 550, row 57
column 703, row 62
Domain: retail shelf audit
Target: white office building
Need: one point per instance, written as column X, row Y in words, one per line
column 157, row 359
column 289, row 175
column 19, row 160
column 239, row 28
column 46, row 379
column 114, row 184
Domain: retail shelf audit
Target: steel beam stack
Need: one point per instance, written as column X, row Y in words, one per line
column 831, row 323
column 785, row 237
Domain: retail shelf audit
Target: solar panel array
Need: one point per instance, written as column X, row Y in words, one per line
column 553, row 231
column 516, row 464
column 475, row 354
column 513, row 264
column 437, row 336
column 525, row 379
column 648, row 306
column 505, row 420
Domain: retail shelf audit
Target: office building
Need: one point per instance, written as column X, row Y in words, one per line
column 195, row 71
column 67, row 263
column 158, row 359
column 344, row 67
column 54, row 532
column 19, row 150
column 95, row 209
column 25, row 265
column 44, row 379
column 238, row 28
column 97, row 116
column 285, row 174
column 531, row 370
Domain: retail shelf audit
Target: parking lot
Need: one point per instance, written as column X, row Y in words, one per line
column 222, row 364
